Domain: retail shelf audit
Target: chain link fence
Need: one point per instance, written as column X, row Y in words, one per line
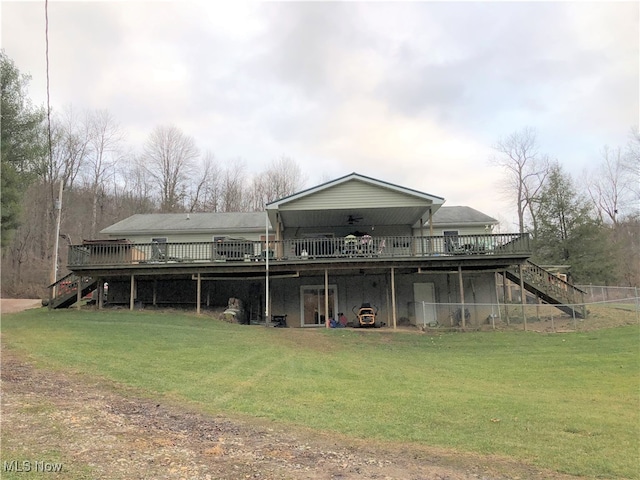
column 604, row 294
column 532, row 315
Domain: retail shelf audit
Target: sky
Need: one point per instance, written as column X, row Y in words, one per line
column 413, row 93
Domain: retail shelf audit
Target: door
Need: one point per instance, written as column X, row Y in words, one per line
column 312, row 304
column 424, row 302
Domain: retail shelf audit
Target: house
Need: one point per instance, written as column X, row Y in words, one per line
column 314, row 256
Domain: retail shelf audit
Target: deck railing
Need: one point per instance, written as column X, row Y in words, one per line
column 127, row 253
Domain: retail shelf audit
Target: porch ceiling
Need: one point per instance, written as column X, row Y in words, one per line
column 354, row 217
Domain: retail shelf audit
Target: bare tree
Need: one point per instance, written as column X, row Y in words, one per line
column 169, row 161
column 610, row 185
column 282, row 178
column 199, row 191
column 233, row 196
column 105, row 140
column 70, row 148
column 526, row 170
column 632, row 163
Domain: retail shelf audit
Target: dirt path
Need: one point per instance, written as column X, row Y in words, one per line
column 97, row 430
column 13, row 305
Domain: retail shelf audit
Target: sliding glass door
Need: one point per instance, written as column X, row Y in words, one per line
column 312, row 308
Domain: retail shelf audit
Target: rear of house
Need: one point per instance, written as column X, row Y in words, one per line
column 314, row 256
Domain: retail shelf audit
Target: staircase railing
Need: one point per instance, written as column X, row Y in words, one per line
column 552, row 287
column 65, row 289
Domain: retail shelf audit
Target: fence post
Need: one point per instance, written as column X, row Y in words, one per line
column 493, row 317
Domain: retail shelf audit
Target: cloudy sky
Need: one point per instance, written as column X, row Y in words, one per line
column 414, row 93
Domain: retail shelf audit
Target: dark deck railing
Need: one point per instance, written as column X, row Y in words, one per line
column 126, row 253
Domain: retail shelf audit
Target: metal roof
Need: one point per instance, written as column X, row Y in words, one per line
column 188, row 223
column 255, row 221
column 461, row 216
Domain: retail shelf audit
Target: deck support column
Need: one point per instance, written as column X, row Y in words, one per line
column 155, row 291
column 430, row 221
column 464, row 321
column 523, row 297
column 326, row 298
column 100, row 290
column 393, row 297
column 495, row 280
column 132, row 292
column 198, row 294
column 266, row 266
column 79, row 293
column 506, row 298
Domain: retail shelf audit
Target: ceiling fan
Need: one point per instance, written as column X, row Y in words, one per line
column 353, row 219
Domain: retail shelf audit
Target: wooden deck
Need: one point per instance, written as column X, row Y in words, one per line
column 230, row 253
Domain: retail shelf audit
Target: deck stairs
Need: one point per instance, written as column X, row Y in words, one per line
column 550, row 288
column 67, row 290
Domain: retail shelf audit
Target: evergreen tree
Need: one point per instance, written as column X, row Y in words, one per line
column 570, row 234
column 23, row 143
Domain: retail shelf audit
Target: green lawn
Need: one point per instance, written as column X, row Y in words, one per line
column 568, row 402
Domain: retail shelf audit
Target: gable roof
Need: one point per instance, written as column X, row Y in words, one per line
column 152, row 223
column 335, row 203
column 348, row 178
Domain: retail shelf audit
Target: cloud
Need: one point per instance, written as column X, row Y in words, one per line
column 411, row 92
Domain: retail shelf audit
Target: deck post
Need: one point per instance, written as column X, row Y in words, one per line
column 506, row 299
column 431, row 221
column 462, row 316
column 100, row 289
column 79, row 293
column 266, row 267
column 523, row 297
column 132, row 292
column 198, row 294
column 155, row 291
column 495, row 279
column 393, row 297
column 326, row 298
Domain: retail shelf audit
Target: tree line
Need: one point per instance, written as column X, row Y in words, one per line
column 104, row 180
column 591, row 224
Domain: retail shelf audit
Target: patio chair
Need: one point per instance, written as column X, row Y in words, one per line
column 156, row 252
column 350, row 245
column 160, row 255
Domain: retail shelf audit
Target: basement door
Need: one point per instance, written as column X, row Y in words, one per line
column 312, row 304
column 425, row 313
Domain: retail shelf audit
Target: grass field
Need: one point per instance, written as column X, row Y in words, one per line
column 568, row 402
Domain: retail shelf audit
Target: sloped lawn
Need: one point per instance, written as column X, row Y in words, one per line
column 568, row 402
